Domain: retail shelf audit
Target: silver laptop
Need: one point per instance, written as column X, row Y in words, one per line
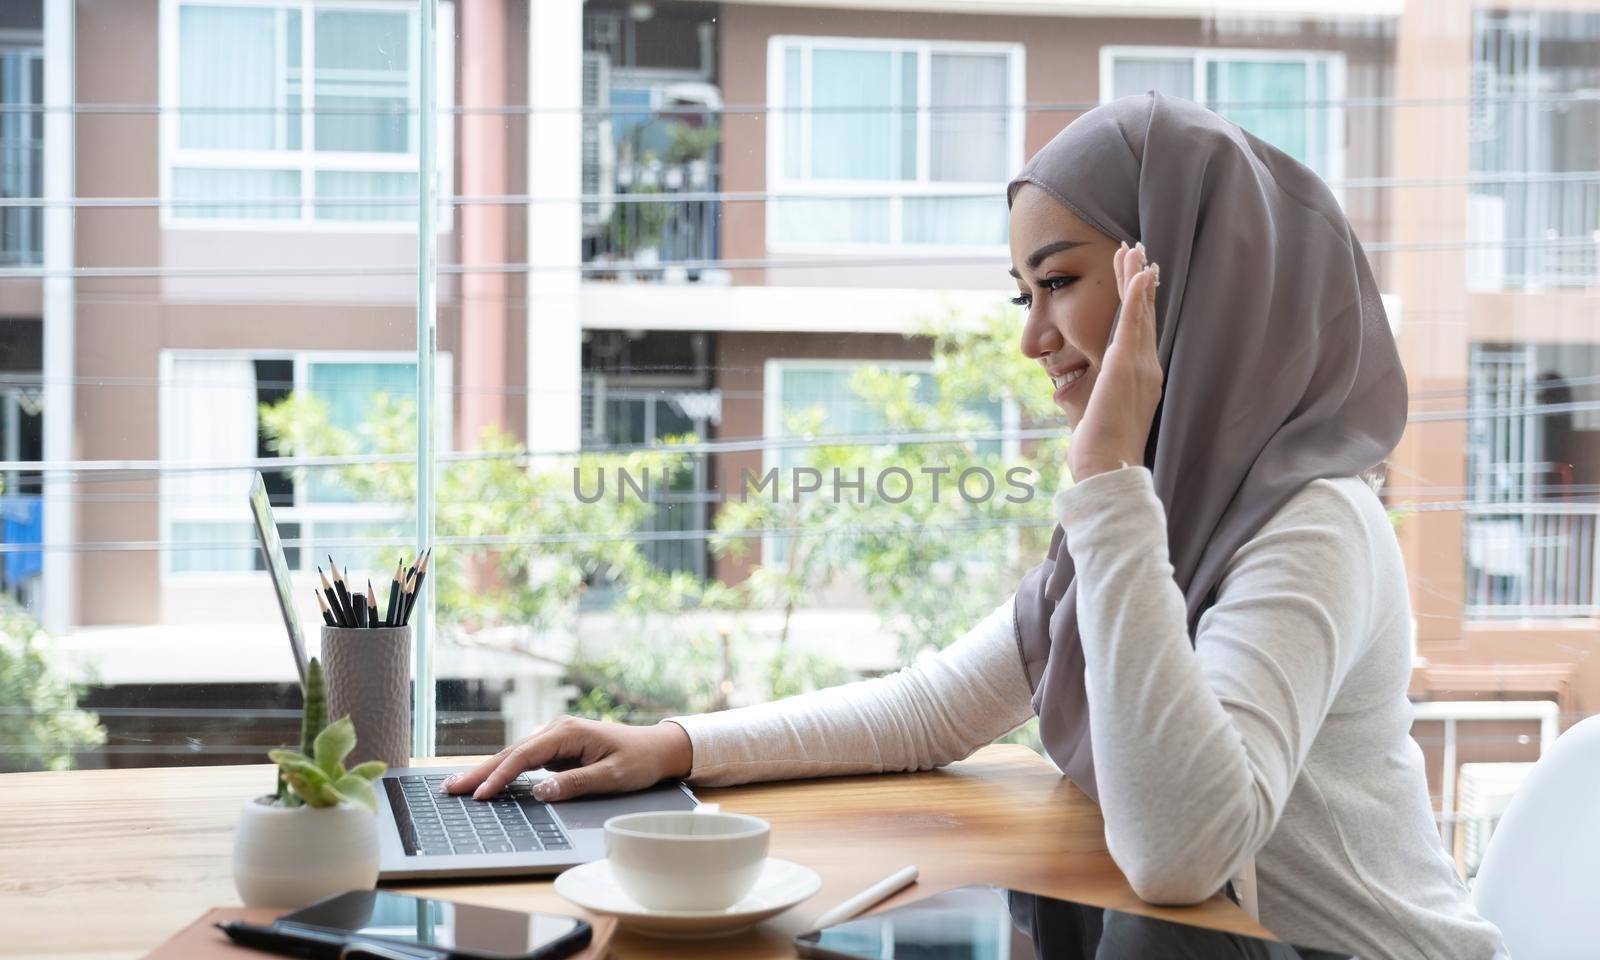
column 424, row 832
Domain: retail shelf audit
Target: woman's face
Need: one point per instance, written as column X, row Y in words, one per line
column 1066, row 282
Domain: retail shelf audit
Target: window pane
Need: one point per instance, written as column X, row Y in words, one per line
column 354, row 187
column 967, row 144
column 909, row 118
column 355, row 394
column 852, row 129
column 1171, row 76
column 830, row 221
column 794, row 115
column 213, row 547
column 229, row 57
column 362, row 83
column 21, row 155
column 227, row 194
column 958, row 221
column 1269, row 99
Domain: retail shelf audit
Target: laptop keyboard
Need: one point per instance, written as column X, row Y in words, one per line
column 434, row 823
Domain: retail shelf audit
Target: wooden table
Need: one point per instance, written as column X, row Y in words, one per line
column 109, row 863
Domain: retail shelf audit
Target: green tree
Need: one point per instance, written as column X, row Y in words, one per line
column 40, row 723
column 932, row 568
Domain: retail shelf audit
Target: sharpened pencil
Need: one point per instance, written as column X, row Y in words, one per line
column 405, row 598
column 422, row 574
column 394, row 594
column 327, row 614
column 333, row 600
column 359, row 609
column 343, row 592
column 372, row 606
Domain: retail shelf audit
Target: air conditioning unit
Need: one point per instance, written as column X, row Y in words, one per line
column 1484, row 793
column 599, row 152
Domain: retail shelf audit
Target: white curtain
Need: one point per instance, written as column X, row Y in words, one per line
column 966, row 144
column 208, row 415
column 229, row 57
column 358, row 185
column 853, row 120
column 1173, row 76
column 230, row 194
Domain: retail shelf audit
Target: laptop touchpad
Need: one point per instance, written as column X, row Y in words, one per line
column 591, row 813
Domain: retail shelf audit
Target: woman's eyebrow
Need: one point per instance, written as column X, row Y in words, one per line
column 1037, row 257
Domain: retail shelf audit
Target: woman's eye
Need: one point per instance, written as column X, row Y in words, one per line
column 1022, row 300
column 1056, row 283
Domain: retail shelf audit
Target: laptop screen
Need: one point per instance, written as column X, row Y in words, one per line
column 277, row 568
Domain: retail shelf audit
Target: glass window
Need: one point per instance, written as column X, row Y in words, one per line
column 1534, row 208
column 927, row 156
column 21, row 152
column 242, row 130
column 1287, row 99
column 212, row 414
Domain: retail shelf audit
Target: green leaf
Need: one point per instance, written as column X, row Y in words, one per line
column 317, row 793
column 285, row 757
column 333, row 745
column 357, row 790
column 304, row 769
column 371, row 770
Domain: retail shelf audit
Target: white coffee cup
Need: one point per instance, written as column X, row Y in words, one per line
column 684, row 860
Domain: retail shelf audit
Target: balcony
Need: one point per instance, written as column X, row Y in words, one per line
column 1529, row 560
column 1535, row 234
column 659, row 224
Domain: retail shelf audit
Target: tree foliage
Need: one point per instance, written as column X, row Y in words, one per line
column 931, row 568
column 40, row 723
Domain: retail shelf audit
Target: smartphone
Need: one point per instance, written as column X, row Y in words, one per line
column 440, row 928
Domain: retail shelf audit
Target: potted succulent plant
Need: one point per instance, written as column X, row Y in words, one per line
column 317, row 834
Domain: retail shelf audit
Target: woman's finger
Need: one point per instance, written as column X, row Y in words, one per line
column 463, row 782
column 601, row 777
column 531, row 754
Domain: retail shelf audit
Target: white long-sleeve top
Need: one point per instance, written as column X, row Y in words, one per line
column 1282, row 735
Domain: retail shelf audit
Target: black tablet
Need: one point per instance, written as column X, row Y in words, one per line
column 993, row 923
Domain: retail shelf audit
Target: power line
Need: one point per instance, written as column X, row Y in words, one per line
column 740, row 196
column 702, row 264
column 762, row 109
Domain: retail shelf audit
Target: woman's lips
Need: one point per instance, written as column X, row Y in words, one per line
column 1065, row 380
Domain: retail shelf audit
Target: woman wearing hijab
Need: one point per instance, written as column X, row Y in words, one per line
column 1217, row 644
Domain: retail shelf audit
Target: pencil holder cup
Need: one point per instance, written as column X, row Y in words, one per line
column 369, row 678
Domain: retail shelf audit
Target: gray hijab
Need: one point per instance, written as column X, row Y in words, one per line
column 1280, row 365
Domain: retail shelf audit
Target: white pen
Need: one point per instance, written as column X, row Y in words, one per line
column 866, row 898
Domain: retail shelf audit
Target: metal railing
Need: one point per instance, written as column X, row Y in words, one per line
column 1532, row 560
column 647, row 232
column 1540, row 233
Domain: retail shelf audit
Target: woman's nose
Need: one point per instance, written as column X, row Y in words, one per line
column 1039, row 335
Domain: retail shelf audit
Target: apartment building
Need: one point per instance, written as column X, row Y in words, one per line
column 773, row 194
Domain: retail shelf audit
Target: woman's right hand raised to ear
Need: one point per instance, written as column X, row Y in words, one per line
column 603, row 757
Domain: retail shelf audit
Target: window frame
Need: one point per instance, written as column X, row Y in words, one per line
column 1200, row 57
column 895, row 191
column 304, row 512
column 307, row 161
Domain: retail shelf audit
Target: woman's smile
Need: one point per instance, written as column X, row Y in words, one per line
column 1066, row 380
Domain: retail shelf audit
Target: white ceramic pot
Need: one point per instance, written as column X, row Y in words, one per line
column 292, row 856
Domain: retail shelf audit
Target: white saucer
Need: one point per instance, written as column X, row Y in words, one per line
column 781, row 885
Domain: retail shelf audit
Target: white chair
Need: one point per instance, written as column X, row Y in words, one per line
column 1538, row 882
